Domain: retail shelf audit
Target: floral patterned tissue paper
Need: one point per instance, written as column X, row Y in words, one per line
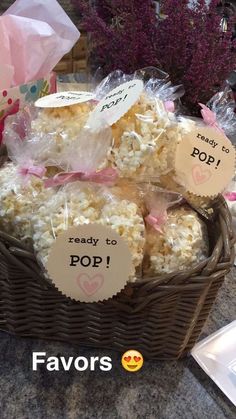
column 14, row 98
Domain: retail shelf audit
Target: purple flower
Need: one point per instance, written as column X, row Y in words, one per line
column 188, row 43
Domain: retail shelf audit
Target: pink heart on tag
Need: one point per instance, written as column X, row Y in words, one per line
column 90, row 285
column 200, row 175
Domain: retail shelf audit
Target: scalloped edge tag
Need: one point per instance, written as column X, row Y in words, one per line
column 62, row 99
column 205, row 161
column 116, row 103
column 89, row 263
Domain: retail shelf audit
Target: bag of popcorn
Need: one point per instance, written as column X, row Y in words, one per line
column 205, row 156
column 82, row 202
column 62, row 124
column 176, row 237
column 56, row 127
column 21, row 180
column 144, row 137
column 18, row 137
column 88, row 194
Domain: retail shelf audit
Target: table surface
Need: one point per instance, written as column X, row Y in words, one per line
column 160, row 390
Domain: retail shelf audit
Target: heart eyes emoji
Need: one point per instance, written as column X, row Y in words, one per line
column 132, row 360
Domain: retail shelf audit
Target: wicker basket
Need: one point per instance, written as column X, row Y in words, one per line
column 161, row 316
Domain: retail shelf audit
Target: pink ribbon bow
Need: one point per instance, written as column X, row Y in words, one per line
column 157, row 220
column 105, row 176
column 230, row 196
column 209, row 117
column 158, row 206
column 169, row 106
column 37, row 171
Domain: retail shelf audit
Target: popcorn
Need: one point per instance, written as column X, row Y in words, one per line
column 19, row 198
column 202, row 204
column 123, row 217
column 57, row 120
column 183, row 243
column 62, row 125
column 145, row 139
column 83, row 203
column 141, row 146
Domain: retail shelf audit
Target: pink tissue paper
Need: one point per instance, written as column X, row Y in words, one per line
column 35, row 35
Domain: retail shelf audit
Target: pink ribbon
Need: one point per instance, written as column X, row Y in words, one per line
column 37, row 171
column 169, row 106
column 157, row 220
column 105, row 176
column 209, row 117
column 231, row 196
column 158, row 206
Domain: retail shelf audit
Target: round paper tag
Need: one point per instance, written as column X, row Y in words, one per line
column 116, row 103
column 89, row 263
column 205, row 161
column 61, row 99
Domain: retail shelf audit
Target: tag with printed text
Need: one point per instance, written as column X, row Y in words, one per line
column 89, row 263
column 61, row 99
column 116, row 103
column 205, row 161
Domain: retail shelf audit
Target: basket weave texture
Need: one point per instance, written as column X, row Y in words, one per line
column 160, row 316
